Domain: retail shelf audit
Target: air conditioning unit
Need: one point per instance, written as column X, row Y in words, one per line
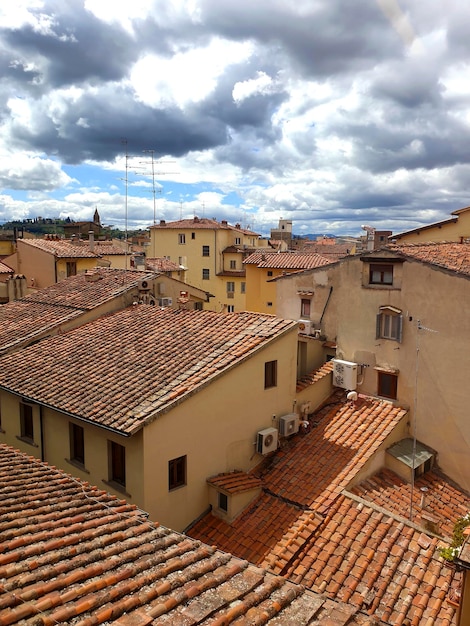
column 344, row 374
column 165, row 302
column 305, row 327
column 144, row 285
column 289, row 424
column 266, row 441
column 147, row 298
column 316, row 333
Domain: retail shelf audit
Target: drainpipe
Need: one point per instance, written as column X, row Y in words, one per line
column 41, row 432
column 326, row 304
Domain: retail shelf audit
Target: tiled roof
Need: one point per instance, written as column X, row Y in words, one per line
column 314, row 376
column 234, row 482
column 433, row 495
column 160, row 264
column 42, row 311
column 286, row 260
column 201, row 223
column 305, row 526
column 72, row 554
column 332, row 252
column 5, row 269
column 113, row 383
column 64, row 248
column 447, row 255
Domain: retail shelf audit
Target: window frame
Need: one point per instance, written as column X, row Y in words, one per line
column 206, row 250
column 389, row 324
column 384, row 269
column 177, row 472
column 205, row 273
column 270, row 374
column 230, row 308
column 116, row 464
column 181, row 238
column 77, row 444
column 71, row 268
column 305, row 308
column 243, row 287
column 387, row 384
column 233, row 264
column 230, row 286
column 222, row 501
column 26, row 422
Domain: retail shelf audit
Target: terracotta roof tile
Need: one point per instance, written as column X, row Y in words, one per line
column 113, row 566
column 305, row 527
column 202, row 344
column 314, row 376
column 234, row 482
column 286, row 260
column 5, row 269
column 42, row 311
column 64, row 248
column 198, row 223
column 447, row 255
column 160, row 264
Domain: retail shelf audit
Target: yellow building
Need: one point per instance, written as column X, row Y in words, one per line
column 49, row 260
column 151, row 402
column 456, row 228
column 263, row 267
column 212, row 254
column 400, row 318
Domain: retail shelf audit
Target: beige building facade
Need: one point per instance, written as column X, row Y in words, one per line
column 402, row 316
column 211, row 254
column 151, row 402
column 456, row 228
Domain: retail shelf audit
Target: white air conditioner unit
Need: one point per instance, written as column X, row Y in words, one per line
column 289, row 424
column 144, row 285
column 344, row 374
column 305, row 327
column 165, row 302
column 147, row 298
column 266, row 441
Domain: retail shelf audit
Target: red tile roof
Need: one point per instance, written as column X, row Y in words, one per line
column 64, row 248
column 203, row 223
column 234, row 482
column 160, row 264
column 306, row 527
column 45, row 310
column 116, row 385
column 314, row 376
column 71, row 553
column 286, row 260
column 433, row 496
column 5, row 269
column 449, row 256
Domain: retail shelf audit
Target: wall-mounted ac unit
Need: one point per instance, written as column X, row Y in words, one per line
column 344, row 374
column 305, row 327
column 165, row 302
column 147, row 298
column 266, row 441
column 289, row 424
column 144, row 285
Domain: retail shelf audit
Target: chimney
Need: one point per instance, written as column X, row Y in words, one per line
column 162, row 223
column 91, row 240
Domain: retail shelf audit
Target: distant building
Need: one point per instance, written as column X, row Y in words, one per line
column 82, row 229
column 456, row 228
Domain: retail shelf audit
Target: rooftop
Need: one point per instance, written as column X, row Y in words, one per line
column 113, row 385
column 197, row 223
column 71, row 553
column 5, row 269
column 160, row 264
column 307, row 527
column 39, row 313
column 286, row 260
column 65, row 248
column 451, row 256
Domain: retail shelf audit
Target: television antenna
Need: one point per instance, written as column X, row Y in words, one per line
column 153, row 173
column 419, row 328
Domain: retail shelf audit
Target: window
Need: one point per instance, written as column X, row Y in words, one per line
column 233, row 264
column 198, row 306
column 77, row 444
column 305, row 308
column 205, row 251
column 270, row 374
column 230, row 308
column 177, row 472
column 193, row 235
column 230, row 286
column 205, row 274
column 389, row 324
column 269, row 273
column 269, row 303
column 26, row 422
column 117, row 463
column 238, row 241
column 380, row 274
column 242, row 287
column 181, row 238
column 387, row 384
column 223, row 502
column 71, row 268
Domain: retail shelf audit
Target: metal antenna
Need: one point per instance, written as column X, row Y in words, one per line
column 124, row 141
column 419, row 327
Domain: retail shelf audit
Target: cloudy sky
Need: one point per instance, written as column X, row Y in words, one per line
column 330, row 113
